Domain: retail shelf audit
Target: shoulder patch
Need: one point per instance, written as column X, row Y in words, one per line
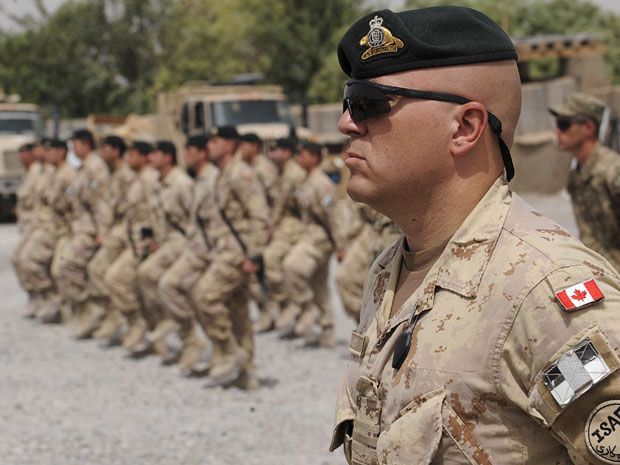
column 603, row 432
column 579, row 295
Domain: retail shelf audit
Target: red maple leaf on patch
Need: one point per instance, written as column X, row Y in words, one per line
column 579, row 295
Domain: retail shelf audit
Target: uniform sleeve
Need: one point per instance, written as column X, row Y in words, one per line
column 561, row 366
column 251, row 194
column 336, row 217
column 613, row 181
column 97, row 197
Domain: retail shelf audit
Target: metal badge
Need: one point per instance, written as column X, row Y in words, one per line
column 358, row 344
column 575, row 372
column 379, row 40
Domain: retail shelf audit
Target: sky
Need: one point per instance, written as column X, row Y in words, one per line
column 20, row 7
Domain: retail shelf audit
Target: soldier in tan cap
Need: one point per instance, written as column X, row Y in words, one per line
column 594, row 181
column 488, row 334
column 173, row 201
column 239, row 223
column 176, row 283
column 121, row 278
column 90, row 219
column 308, row 311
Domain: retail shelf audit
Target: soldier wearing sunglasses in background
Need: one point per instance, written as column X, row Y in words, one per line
column 594, row 182
column 488, row 334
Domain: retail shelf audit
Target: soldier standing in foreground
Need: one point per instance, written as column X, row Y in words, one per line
column 488, row 334
column 594, row 181
column 87, row 190
column 306, row 266
column 176, row 283
column 240, row 219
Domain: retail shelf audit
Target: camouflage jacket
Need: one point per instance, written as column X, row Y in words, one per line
column 120, row 181
column 285, row 203
column 267, row 175
column 88, row 193
column 61, row 212
column 172, row 204
column 202, row 201
column 139, row 215
column 595, row 191
column 492, row 350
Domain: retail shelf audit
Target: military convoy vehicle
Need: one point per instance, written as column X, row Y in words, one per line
column 20, row 123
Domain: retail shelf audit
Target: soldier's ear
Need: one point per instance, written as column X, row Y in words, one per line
column 469, row 123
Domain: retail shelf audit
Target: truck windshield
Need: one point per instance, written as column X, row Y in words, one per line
column 250, row 112
column 17, row 122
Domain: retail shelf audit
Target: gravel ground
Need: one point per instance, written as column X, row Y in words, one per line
column 64, row 402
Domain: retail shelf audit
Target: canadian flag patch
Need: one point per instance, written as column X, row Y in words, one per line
column 580, row 295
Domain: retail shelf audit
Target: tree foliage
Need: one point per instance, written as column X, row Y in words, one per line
column 113, row 56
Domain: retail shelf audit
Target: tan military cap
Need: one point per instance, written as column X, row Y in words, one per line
column 579, row 104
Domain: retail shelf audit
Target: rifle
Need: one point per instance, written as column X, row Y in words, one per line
column 201, row 225
column 317, row 219
column 258, row 259
column 144, row 232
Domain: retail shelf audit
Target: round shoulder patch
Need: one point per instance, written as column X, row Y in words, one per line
column 603, row 432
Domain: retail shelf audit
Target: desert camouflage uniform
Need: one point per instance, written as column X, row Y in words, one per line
column 114, row 243
column 176, row 283
column 86, row 191
column 48, row 238
column 306, row 266
column 221, row 294
column 595, row 192
column 287, row 230
column 24, row 209
column 121, row 277
column 173, row 201
column 486, row 325
column 376, row 233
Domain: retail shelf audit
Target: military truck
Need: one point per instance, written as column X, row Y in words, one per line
column 20, row 123
column 196, row 106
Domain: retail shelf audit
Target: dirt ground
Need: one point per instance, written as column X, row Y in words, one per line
column 64, row 402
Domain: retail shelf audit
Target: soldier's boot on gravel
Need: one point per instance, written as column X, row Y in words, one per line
column 247, row 379
column 308, row 318
column 287, row 320
column 33, row 305
column 320, row 337
column 66, row 312
column 49, row 310
column 227, row 368
column 265, row 322
column 135, row 332
column 155, row 341
column 92, row 312
column 194, row 359
column 110, row 330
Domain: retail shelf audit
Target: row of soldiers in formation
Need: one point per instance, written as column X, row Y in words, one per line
column 133, row 250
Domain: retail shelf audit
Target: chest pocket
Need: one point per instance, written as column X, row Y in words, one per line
column 417, row 435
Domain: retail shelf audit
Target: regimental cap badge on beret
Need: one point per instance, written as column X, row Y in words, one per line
column 379, row 40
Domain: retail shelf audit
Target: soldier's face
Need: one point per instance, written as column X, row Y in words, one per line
column 399, row 155
column 81, row 148
column 157, row 159
column 135, row 160
column 248, row 150
column 218, row 147
column 107, row 152
column 280, row 156
column 192, row 156
column 26, row 157
column 571, row 138
column 307, row 160
column 57, row 155
column 38, row 152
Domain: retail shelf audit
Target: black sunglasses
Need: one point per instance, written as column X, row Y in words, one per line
column 364, row 100
column 564, row 123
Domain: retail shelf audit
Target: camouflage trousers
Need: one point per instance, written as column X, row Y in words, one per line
column 176, row 283
column 149, row 274
column 121, row 281
column 306, row 271
column 221, row 298
column 352, row 272
column 72, row 272
column 111, row 249
column 33, row 260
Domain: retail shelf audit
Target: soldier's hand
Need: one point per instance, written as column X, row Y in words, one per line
column 100, row 239
column 249, row 266
column 340, row 254
column 153, row 246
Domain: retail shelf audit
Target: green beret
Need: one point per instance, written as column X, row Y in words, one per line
column 384, row 42
column 143, row 147
column 167, row 147
column 250, row 137
column 225, row 132
column 116, row 142
column 200, row 141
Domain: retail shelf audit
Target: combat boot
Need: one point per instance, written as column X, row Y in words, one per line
column 229, row 368
column 320, row 337
column 286, row 322
column 247, row 379
column 66, row 312
column 33, row 305
column 136, row 331
column 307, row 320
column 92, row 313
column 194, row 358
column 265, row 322
column 154, row 341
column 49, row 310
column 110, row 329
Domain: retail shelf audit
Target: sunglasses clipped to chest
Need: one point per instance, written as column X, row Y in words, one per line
column 365, row 100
